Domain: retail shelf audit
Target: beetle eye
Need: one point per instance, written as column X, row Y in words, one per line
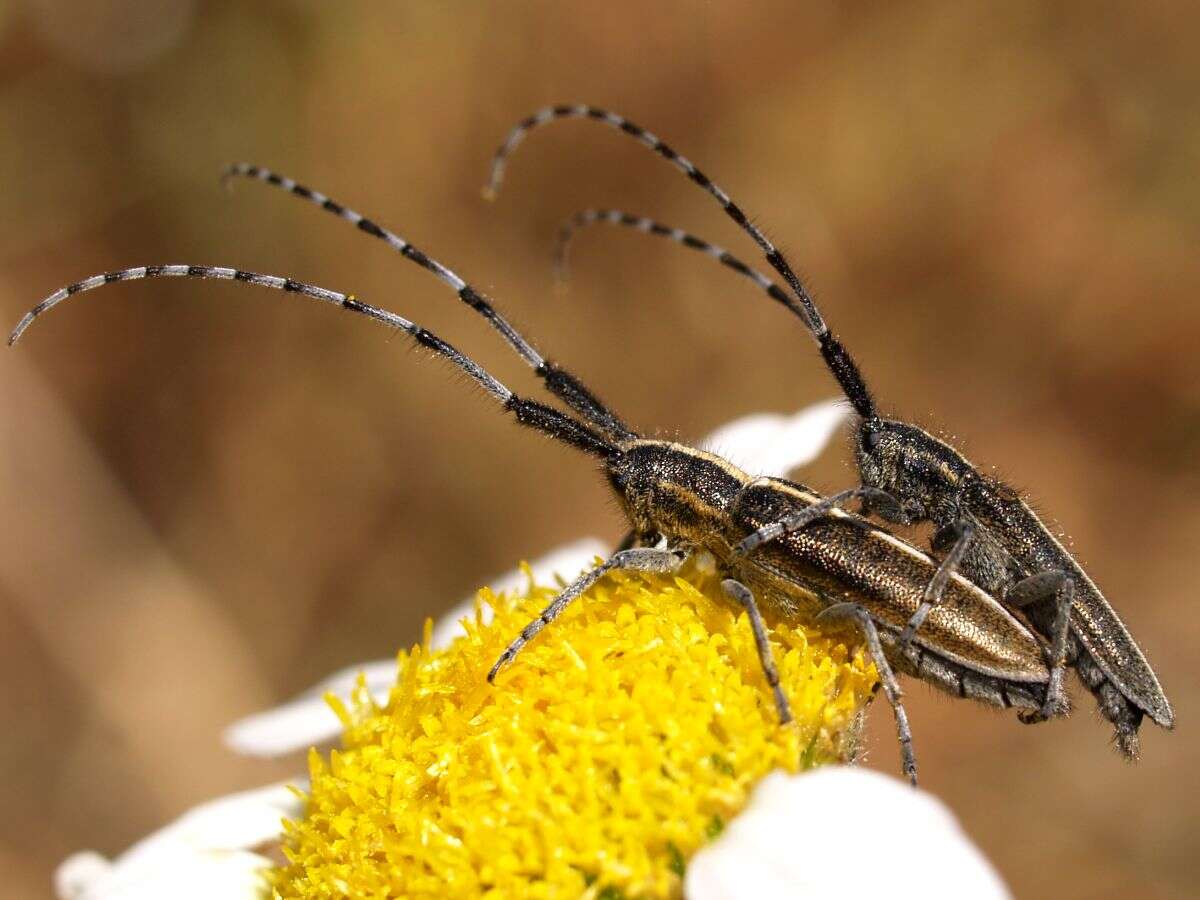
column 871, row 438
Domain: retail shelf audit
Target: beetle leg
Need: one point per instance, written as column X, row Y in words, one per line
column 960, row 532
column 879, row 500
column 645, row 559
column 745, row 599
column 1056, row 584
column 891, row 687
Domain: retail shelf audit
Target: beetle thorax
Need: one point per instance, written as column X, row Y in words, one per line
column 674, row 490
column 922, row 472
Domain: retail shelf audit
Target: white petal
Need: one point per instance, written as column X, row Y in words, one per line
column 772, row 444
column 77, row 873
column 307, row 721
column 224, row 874
column 234, row 822
column 806, row 836
column 203, row 853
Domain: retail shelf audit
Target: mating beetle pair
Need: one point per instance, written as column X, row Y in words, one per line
column 780, row 545
column 985, row 529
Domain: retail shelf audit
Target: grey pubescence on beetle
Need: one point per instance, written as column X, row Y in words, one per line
column 983, row 527
column 824, row 563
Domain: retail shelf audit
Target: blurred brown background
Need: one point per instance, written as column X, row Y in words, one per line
column 211, row 496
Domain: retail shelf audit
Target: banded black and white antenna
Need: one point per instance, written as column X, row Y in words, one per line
column 836, row 357
column 530, row 413
column 558, row 381
column 569, row 229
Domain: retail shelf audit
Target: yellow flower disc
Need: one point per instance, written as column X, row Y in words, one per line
column 619, row 742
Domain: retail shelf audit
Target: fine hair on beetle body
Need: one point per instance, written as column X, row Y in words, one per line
column 810, row 561
column 983, row 528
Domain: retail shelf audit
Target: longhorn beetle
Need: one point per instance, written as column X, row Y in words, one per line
column 819, row 561
column 983, row 527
